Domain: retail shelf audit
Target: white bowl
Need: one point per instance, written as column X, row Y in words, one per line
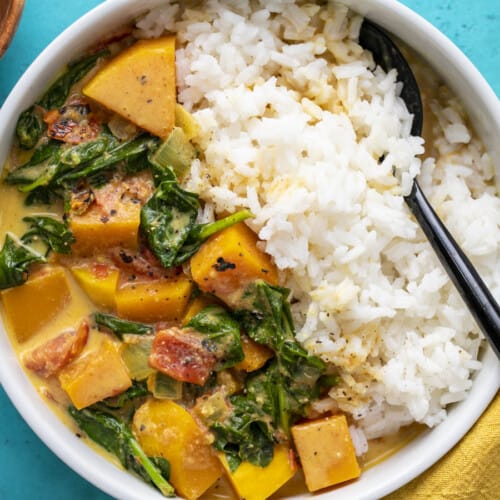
column 484, row 111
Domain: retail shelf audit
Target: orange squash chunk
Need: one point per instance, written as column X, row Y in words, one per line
column 256, row 355
column 113, row 219
column 95, row 231
column 32, row 305
column 326, row 452
column 139, row 84
column 165, row 429
column 229, row 261
column 99, row 282
column 98, row 375
column 252, row 482
column 151, row 301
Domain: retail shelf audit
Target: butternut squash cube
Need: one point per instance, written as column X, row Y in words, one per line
column 99, row 282
column 252, row 482
column 114, row 219
column 98, row 375
column 229, row 261
column 139, row 84
column 326, row 452
column 32, row 305
column 151, row 301
column 93, row 232
column 256, row 355
column 165, row 429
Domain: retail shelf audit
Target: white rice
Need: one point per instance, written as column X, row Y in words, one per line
column 294, row 122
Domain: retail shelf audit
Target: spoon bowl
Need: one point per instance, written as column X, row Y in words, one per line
column 474, row 292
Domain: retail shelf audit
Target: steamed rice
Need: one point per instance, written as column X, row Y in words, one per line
column 294, row 120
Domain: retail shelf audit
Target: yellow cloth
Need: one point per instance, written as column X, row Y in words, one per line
column 470, row 471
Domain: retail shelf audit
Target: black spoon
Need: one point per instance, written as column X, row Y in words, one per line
column 471, row 287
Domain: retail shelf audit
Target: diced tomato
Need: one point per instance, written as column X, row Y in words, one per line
column 100, row 270
column 73, row 123
column 142, row 265
column 71, row 132
column 135, row 189
column 47, row 359
column 182, row 355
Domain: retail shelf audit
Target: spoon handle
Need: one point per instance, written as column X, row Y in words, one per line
column 474, row 292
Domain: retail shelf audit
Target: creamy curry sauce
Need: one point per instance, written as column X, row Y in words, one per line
column 80, row 306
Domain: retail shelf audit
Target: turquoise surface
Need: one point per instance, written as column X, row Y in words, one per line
column 28, row 469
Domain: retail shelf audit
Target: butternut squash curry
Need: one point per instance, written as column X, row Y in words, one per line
column 185, row 366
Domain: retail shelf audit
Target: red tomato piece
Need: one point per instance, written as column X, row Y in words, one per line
column 101, row 270
column 72, row 123
column 142, row 264
column 182, row 355
column 47, row 359
column 135, row 189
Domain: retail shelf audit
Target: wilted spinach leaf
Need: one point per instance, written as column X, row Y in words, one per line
column 30, row 126
column 115, row 436
column 222, row 334
column 125, row 152
column 55, row 234
column 15, row 259
column 58, row 92
column 120, row 326
column 167, row 219
column 277, row 394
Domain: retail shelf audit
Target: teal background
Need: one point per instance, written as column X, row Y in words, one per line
column 28, row 469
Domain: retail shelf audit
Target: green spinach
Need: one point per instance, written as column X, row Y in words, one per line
column 120, row 326
column 267, row 319
column 247, row 435
column 30, row 126
column 54, row 170
column 15, row 260
column 115, row 436
column 201, row 232
column 58, row 92
column 167, row 219
column 124, row 405
column 137, row 391
column 45, row 159
column 222, row 335
column 277, row 394
column 88, row 150
column 124, row 152
column 55, row 234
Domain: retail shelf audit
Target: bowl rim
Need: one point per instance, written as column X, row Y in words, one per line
column 415, row 457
